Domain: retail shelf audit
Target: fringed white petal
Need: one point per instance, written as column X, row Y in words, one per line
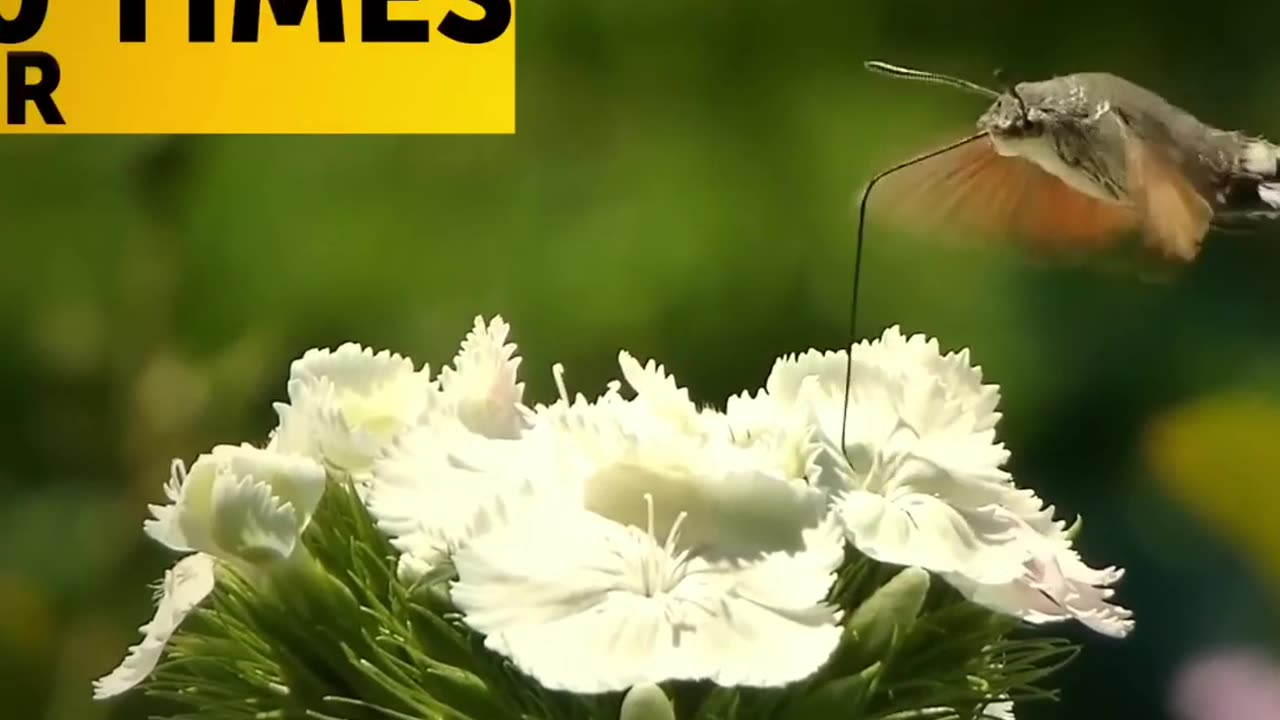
column 184, row 587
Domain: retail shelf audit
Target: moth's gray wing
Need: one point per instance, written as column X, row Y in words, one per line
column 973, row 192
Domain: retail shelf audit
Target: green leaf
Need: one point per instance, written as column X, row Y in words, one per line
column 843, row 697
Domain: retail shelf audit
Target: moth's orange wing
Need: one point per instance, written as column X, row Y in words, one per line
column 974, row 191
column 1175, row 216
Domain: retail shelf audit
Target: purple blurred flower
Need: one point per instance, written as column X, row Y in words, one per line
column 1233, row 684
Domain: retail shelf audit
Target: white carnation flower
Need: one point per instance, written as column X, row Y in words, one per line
column 919, row 480
column 427, row 486
column 931, row 406
column 239, row 502
column 1055, row 584
column 655, row 545
column 184, row 587
column 587, row 604
column 347, row 405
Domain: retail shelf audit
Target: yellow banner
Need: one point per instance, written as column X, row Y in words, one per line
column 258, row 66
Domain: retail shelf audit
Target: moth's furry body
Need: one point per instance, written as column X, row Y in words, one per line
column 1076, row 127
column 1074, row 162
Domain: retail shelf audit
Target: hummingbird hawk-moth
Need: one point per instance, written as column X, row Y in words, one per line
column 1075, row 164
column 1072, row 166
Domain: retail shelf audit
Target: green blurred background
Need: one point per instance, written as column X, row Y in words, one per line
column 681, row 185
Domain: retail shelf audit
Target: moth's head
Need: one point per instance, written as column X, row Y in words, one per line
column 1018, row 113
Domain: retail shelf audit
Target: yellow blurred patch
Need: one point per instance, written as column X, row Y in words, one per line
column 1221, row 458
column 26, row 620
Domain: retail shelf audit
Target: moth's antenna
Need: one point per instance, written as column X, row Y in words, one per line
column 857, row 269
column 885, row 68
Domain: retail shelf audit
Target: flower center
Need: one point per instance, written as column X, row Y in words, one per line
column 661, row 567
column 612, row 492
column 379, row 412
